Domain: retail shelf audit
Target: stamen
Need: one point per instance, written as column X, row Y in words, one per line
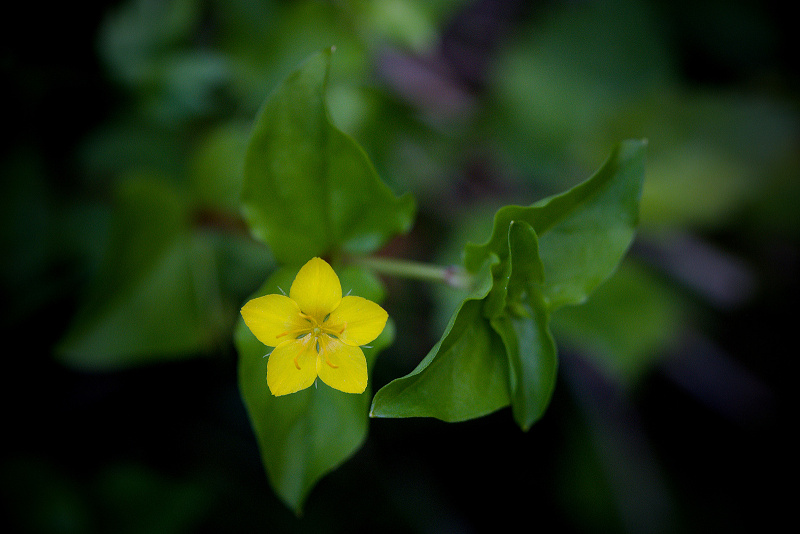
column 298, row 333
column 325, row 355
column 296, row 364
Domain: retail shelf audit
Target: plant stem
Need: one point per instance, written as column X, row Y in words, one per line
column 452, row 275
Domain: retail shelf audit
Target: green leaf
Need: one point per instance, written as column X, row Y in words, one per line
column 519, row 272
column 307, row 434
column 524, row 330
column 151, row 299
column 583, row 233
column 464, row 376
column 309, row 189
column 497, row 348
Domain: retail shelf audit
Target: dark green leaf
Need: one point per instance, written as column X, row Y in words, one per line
column 465, row 375
column 309, row 189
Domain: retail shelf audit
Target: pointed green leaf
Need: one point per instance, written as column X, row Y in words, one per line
column 307, row 434
column 310, row 189
column 464, row 376
column 583, row 233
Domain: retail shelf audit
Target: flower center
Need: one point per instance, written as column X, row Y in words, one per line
column 320, row 334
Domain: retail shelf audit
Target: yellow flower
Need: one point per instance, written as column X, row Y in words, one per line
column 315, row 331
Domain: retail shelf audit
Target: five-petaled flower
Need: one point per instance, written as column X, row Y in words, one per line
column 315, row 331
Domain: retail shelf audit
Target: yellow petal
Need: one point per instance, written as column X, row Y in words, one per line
column 283, row 375
column 316, row 289
column 272, row 317
column 361, row 319
column 341, row 366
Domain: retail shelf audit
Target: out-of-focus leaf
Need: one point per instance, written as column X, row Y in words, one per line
column 216, row 168
column 140, row 499
column 189, row 85
column 305, row 435
column 265, row 40
column 150, row 299
column 560, row 86
column 626, row 326
column 309, row 189
column 401, row 22
column 131, row 43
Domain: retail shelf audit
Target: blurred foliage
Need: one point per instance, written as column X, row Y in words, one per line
column 123, row 246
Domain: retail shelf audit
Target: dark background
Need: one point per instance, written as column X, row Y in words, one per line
column 700, row 442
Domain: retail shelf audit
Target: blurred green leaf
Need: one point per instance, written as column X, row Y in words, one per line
column 560, row 87
column 307, row 434
column 215, row 170
column 401, row 22
column 630, row 322
column 190, row 85
column 309, row 189
column 132, row 44
column 150, row 299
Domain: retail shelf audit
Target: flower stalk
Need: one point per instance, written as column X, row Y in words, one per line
column 451, row 275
